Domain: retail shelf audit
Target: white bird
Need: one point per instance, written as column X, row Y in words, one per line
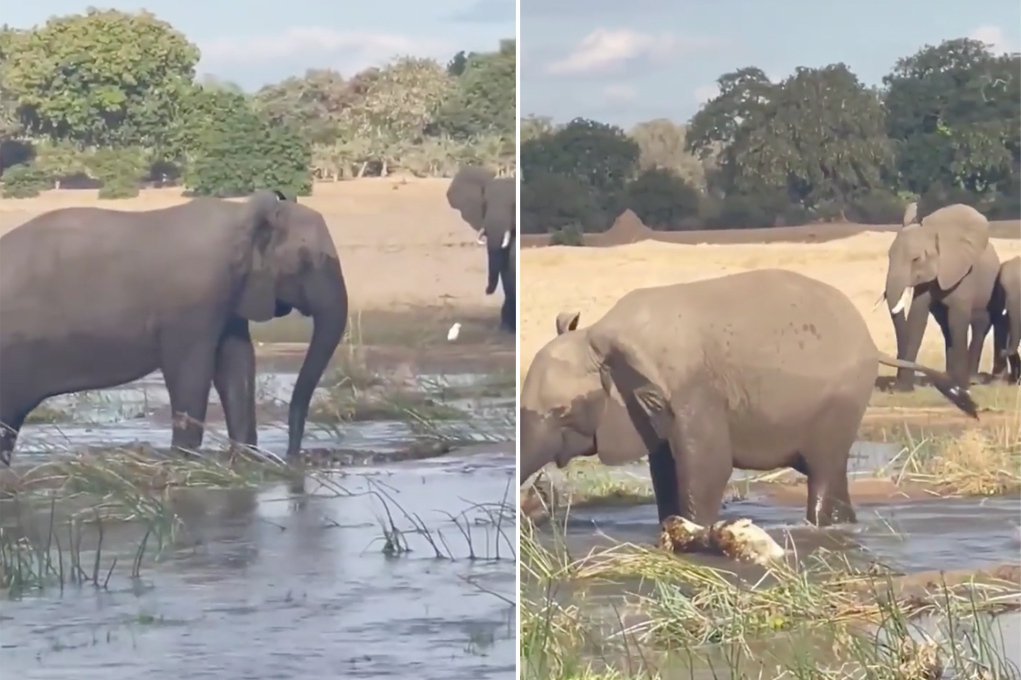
column 454, row 331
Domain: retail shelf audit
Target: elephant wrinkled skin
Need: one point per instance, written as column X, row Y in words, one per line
column 1007, row 319
column 946, row 266
column 93, row 298
column 488, row 203
column 756, row 371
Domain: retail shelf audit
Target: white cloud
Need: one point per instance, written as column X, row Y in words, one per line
column 992, row 35
column 619, row 93
column 704, row 93
column 606, row 50
column 346, row 51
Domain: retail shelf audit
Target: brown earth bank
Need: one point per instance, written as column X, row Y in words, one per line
column 625, row 231
column 591, row 280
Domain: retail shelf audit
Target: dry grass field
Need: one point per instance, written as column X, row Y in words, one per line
column 591, row 279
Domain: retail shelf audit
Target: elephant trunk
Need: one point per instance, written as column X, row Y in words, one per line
column 498, row 254
column 329, row 317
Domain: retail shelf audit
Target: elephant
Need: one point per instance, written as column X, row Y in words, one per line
column 489, row 204
column 944, row 265
column 92, row 298
column 757, row 370
column 1007, row 319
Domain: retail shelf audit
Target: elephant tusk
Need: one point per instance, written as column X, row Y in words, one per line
column 506, row 240
column 905, row 300
column 882, row 296
column 481, row 238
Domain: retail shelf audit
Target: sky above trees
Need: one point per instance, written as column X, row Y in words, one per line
column 625, row 62
column 270, row 40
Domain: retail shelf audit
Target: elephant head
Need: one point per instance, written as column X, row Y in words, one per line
column 587, row 394
column 941, row 249
column 293, row 264
column 488, row 204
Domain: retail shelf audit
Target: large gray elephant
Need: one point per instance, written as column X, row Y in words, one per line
column 946, row 266
column 756, row 371
column 92, row 298
column 1007, row 319
column 488, row 203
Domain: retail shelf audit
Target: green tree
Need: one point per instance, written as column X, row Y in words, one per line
column 550, row 202
column 101, row 78
column 483, row 100
column 241, row 151
column 313, row 103
column 661, row 199
column 598, row 155
column 954, row 113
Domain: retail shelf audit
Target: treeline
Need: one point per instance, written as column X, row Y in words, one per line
column 110, row 99
column 819, row 146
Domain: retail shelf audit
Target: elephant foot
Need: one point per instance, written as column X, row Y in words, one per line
column 903, row 386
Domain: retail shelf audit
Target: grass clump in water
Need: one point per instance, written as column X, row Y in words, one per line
column 978, row 462
column 633, row 611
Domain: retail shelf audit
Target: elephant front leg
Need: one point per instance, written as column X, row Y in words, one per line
column 957, row 359
column 703, row 460
column 980, row 323
column 234, row 379
column 663, row 472
column 999, row 324
column 188, row 373
column 909, row 337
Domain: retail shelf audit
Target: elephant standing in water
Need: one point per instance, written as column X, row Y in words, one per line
column 756, row 371
column 93, row 298
column 1007, row 319
column 946, row 266
column 488, row 203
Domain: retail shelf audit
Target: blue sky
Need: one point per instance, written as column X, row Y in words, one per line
column 269, row 40
column 627, row 61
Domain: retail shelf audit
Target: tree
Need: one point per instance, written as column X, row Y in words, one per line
column 661, row 199
column 313, row 103
column 483, row 100
column 240, row 151
column 551, row 202
column 598, row 155
column 954, row 113
column 398, row 105
column 533, row 127
column 662, row 145
column 101, row 78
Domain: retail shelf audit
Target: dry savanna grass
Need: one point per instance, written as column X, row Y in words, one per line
column 590, row 280
column 401, row 246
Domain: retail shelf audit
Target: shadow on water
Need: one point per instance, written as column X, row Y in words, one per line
column 264, row 584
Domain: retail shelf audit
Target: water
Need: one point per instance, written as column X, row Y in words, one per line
column 266, row 583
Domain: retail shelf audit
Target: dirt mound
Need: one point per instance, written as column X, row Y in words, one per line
column 627, row 228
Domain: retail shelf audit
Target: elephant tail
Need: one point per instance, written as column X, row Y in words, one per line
column 956, row 394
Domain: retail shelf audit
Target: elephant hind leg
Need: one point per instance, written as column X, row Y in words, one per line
column 825, row 458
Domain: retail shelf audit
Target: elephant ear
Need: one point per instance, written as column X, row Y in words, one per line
column 466, row 194
column 638, row 381
column 263, row 221
column 962, row 235
column 567, row 321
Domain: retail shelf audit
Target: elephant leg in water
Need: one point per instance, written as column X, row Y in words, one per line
column 234, row 380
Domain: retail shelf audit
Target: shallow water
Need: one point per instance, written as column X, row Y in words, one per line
column 267, row 586
column 140, row 412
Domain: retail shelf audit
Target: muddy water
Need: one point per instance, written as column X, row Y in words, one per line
column 272, row 584
column 263, row 585
column 916, row 536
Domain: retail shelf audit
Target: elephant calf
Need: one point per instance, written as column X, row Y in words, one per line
column 756, row 371
column 92, row 298
column 1007, row 323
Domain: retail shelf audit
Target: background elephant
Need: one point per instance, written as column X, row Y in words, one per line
column 488, row 203
column 945, row 266
column 758, row 370
column 92, row 298
column 1007, row 318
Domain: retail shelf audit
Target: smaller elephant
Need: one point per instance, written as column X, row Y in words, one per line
column 1007, row 319
column 489, row 204
column 759, row 370
column 946, row 266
